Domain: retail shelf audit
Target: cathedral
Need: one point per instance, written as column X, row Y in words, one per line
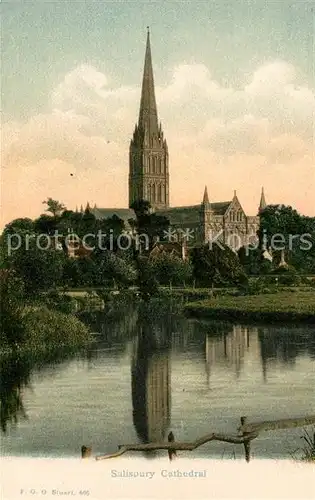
column 223, row 221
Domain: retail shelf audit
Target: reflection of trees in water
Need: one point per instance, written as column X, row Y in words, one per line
column 151, row 383
column 188, row 333
column 285, row 344
column 15, row 375
column 113, row 330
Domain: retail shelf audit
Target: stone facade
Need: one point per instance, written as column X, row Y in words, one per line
column 220, row 221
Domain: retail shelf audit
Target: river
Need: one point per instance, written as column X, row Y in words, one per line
column 143, row 378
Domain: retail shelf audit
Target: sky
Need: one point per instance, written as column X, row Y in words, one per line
column 234, row 89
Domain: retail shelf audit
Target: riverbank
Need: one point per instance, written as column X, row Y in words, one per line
column 274, row 307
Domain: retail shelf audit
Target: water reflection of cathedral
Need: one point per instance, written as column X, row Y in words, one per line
column 228, row 349
column 151, row 396
column 264, row 345
column 221, row 346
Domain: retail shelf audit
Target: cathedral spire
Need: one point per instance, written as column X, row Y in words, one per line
column 205, row 200
column 148, row 120
column 262, row 204
column 148, row 152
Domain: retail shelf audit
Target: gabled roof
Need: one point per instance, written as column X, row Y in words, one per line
column 181, row 215
column 190, row 214
column 220, row 207
column 176, row 215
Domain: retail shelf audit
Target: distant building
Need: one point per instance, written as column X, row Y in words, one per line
column 149, row 180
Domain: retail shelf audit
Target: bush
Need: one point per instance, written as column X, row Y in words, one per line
column 60, row 301
column 288, row 276
column 53, row 329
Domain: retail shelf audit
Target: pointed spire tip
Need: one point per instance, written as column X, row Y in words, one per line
column 205, row 200
column 262, row 203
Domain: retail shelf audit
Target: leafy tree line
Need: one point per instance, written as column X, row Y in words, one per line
column 110, row 266
column 107, row 265
column 284, row 233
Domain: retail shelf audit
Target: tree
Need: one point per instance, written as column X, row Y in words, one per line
column 112, row 228
column 71, row 273
column 169, row 269
column 216, row 266
column 253, row 261
column 112, row 268
column 12, row 296
column 149, row 224
column 13, row 236
column 39, row 269
column 151, row 227
column 283, row 229
column 46, row 224
column 87, row 271
column 19, row 226
column 278, row 219
column 54, row 207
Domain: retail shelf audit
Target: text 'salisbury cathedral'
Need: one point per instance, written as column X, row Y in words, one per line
column 149, row 180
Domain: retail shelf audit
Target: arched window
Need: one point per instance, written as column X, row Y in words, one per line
column 153, row 194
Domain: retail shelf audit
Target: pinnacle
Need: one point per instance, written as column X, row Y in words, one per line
column 205, row 200
column 148, row 112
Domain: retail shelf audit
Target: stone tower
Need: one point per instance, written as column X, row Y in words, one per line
column 148, row 152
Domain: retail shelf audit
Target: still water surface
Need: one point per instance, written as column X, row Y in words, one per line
column 141, row 380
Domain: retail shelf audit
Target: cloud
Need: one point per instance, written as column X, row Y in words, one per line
column 216, row 134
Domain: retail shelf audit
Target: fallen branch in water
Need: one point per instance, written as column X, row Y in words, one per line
column 180, row 446
column 247, row 432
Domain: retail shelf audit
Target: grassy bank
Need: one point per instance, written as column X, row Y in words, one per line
column 281, row 306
